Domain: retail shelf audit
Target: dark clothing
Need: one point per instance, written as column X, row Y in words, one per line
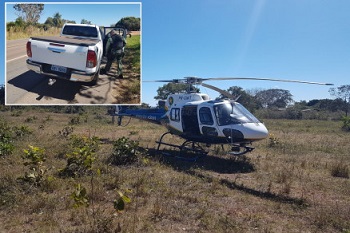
column 115, row 51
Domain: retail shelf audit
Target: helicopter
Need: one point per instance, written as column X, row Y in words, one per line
column 201, row 121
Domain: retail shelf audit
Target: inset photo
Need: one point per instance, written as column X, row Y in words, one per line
column 73, row 53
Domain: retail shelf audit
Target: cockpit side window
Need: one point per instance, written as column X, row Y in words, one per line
column 175, row 114
column 222, row 113
column 205, row 116
column 233, row 113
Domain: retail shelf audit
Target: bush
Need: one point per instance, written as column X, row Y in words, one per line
column 81, row 159
column 66, row 131
column 34, row 157
column 8, row 135
column 273, row 141
column 124, row 152
column 21, row 131
column 80, row 196
column 340, row 170
column 6, row 139
column 346, row 123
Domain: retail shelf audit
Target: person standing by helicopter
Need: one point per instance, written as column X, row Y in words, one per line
column 115, row 51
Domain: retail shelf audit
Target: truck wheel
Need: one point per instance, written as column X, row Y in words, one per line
column 94, row 81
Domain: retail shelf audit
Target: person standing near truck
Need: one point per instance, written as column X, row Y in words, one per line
column 115, row 51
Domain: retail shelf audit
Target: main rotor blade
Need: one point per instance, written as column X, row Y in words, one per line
column 188, row 80
column 271, row 79
column 196, row 80
column 160, row 81
column 224, row 93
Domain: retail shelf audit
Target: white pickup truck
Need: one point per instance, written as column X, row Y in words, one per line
column 75, row 55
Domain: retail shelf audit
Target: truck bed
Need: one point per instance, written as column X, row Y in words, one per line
column 67, row 40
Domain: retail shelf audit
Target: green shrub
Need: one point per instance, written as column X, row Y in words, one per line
column 346, row 123
column 66, row 131
column 81, row 159
column 6, row 139
column 121, row 201
column 34, row 157
column 74, row 120
column 21, row 131
column 273, row 141
column 124, row 152
column 80, row 196
column 30, row 119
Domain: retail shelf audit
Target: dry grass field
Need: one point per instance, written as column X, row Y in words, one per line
column 295, row 181
column 15, row 34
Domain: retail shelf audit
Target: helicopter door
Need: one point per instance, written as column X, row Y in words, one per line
column 207, row 122
column 190, row 120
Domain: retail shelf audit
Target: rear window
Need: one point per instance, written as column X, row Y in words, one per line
column 75, row 30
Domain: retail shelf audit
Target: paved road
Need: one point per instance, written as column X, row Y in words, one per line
column 24, row 87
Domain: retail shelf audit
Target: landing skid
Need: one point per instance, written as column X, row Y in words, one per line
column 189, row 150
column 242, row 149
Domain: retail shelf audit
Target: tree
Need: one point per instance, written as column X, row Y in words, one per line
column 84, row 21
column 323, row 104
column 278, row 98
column 172, row 88
column 312, row 102
column 49, row 21
column 69, row 21
column 244, row 97
column 130, row 23
column 20, row 22
column 57, row 20
column 30, row 13
column 342, row 92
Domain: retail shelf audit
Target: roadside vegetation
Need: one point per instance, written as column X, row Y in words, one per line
column 15, row 33
column 27, row 23
column 69, row 169
column 129, row 88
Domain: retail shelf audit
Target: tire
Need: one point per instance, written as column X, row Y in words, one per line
column 94, row 81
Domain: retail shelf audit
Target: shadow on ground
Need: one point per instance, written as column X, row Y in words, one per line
column 222, row 165
column 62, row 89
column 186, row 162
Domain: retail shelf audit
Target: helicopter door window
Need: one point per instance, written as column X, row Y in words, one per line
column 205, row 116
column 175, row 114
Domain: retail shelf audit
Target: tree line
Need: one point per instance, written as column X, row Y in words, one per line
column 270, row 103
column 29, row 15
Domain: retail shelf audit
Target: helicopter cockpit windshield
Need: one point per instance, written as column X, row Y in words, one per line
column 233, row 113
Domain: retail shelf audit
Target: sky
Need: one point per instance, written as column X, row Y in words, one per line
column 289, row 39
column 108, row 13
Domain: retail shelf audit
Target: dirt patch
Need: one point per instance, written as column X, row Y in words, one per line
column 123, row 92
column 135, row 33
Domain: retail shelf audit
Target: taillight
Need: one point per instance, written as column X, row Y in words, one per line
column 29, row 49
column 91, row 59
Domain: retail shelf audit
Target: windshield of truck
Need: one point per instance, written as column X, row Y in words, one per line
column 78, row 30
column 233, row 113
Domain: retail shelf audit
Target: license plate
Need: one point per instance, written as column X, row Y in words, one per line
column 60, row 69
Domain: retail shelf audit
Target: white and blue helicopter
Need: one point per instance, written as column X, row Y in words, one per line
column 202, row 122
